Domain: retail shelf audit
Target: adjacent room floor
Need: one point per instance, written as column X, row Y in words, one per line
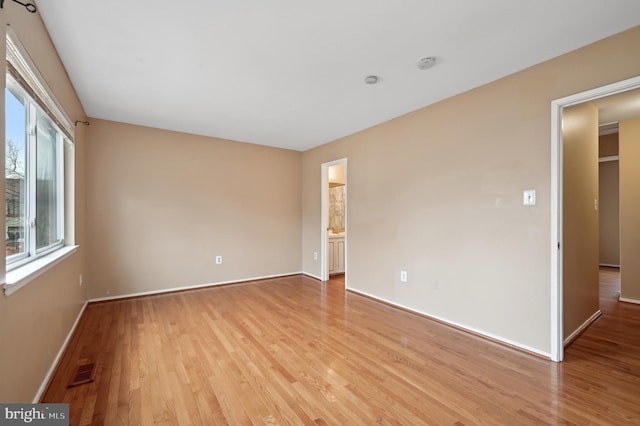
column 297, row 351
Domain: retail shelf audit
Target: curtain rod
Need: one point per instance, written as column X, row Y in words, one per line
column 29, row 6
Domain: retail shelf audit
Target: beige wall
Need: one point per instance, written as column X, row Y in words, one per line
column 630, row 209
column 580, row 216
column 608, row 189
column 438, row 193
column 37, row 318
column 162, row 205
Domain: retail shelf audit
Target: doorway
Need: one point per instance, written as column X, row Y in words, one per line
column 557, row 208
column 333, row 223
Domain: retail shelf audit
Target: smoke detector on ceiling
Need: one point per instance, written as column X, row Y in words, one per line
column 426, row 63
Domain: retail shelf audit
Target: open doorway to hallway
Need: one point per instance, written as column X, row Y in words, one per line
column 576, row 204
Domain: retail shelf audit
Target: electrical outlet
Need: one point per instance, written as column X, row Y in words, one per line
column 403, row 276
column 315, row 255
column 435, row 285
column 80, row 280
column 218, row 260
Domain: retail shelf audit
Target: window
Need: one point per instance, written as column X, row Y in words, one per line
column 34, row 147
column 35, row 134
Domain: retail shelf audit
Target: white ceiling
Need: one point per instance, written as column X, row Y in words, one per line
column 290, row 73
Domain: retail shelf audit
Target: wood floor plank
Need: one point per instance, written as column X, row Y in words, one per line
column 296, row 351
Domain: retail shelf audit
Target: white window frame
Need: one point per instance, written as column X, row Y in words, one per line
column 32, row 251
column 23, row 269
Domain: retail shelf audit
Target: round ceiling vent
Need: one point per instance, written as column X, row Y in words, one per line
column 371, row 79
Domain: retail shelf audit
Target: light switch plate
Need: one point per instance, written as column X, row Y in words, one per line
column 529, row 197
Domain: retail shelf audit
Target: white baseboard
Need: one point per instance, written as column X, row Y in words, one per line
column 312, row 276
column 54, row 365
column 624, row 299
column 473, row 330
column 609, row 265
column 189, row 287
column 582, row 328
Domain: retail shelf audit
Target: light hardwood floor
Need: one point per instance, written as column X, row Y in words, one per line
column 297, row 351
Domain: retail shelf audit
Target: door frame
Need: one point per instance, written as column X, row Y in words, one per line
column 324, row 217
column 557, row 106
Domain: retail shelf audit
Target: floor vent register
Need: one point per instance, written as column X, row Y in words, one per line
column 83, row 375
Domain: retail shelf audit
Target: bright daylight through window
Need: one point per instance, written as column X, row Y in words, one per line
column 34, row 177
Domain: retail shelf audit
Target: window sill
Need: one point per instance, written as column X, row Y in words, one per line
column 23, row 275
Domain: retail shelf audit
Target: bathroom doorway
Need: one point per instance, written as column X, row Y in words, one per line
column 334, row 219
